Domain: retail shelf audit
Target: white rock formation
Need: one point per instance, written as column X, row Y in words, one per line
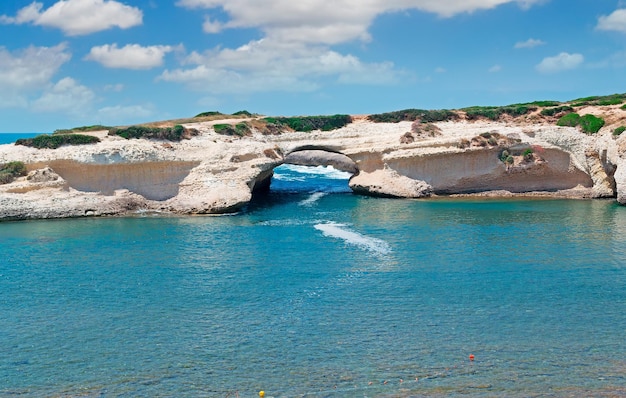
column 211, row 173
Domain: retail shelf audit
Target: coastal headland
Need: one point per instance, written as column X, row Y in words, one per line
column 215, row 163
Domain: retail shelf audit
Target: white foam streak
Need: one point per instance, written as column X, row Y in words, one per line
column 312, row 199
column 340, row 231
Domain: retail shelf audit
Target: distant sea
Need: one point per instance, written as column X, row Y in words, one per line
column 315, row 292
column 8, row 138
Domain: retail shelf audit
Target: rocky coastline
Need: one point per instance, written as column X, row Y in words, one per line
column 212, row 173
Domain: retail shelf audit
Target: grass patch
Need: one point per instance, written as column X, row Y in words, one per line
column 58, row 140
column 589, row 124
column 176, row 133
column 310, row 123
column 410, row 115
column 10, row 171
column 619, row 130
column 85, row 129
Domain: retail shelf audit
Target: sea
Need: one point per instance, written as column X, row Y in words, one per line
column 312, row 291
column 9, row 138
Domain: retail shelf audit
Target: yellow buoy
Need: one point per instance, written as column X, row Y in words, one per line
column 261, row 394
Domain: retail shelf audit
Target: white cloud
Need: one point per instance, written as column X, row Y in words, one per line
column 530, row 43
column 79, row 17
column 495, row 69
column 210, row 26
column 322, row 21
column 563, row 61
column 65, row 96
column 265, row 65
column 30, row 68
column 114, row 87
column 125, row 114
column 616, row 21
column 131, row 56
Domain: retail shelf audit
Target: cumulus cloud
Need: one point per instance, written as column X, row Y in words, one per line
column 321, row 21
column 78, row 17
column 530, row 43
column 269, row 66
column 131, row 56
column 30, row 68
column 563, row 61
column 120, row 114
column 615, row 22
column 65, row 96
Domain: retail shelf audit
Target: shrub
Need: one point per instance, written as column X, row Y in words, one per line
column 591, row 124
column 55, row 141
column 495, row 112
column 210, row 113
column 239, row 130
column 96, row 127
column 309, row 123
column 554, row 111
column 175, row 133
column 9, row 171
column 613, row 99
column 619, row 130
column 243, row 113
column 569, row 120
column 623, row 107
column 409, row 115
column 542, row 104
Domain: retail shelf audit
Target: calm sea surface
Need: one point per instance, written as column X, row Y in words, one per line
column 314, row 292
column 8, row 138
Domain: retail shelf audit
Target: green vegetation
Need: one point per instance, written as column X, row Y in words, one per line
column 243, row 113
column 97, row 127
column 613, row 99
column 589, row 124
column 623, row 107
column 409, row 115
column 210, row 113
column 541, row 104
column 619, row 130
column 10, row 171
column 495, row 112
column 309, row 123
column 239, row 130
column 55, row 141
column 558, row 109
column 176, row 133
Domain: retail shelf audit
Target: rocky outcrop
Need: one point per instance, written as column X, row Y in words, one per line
column 212, row 173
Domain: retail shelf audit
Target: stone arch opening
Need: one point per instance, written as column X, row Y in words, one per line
column 309, row 169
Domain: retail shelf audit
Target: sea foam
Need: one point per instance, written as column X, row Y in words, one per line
column 340, row 231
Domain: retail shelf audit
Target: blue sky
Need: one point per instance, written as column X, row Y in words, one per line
column 66, row 63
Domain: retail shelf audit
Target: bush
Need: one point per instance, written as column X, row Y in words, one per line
column 243, row 113
column 409, row 115
column 554, row 111
column 309, row 123
column 55, row 141
column 569, row 120
column 97, row 127
column 210, row 113
column 176, row 133
column 619, row 130
column 623, row 107
column 239, row 130
column 613, row 99
column 589, row 124
column 9, row 171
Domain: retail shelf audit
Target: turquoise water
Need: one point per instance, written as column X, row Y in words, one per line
column 319, row 294
column 8, row 138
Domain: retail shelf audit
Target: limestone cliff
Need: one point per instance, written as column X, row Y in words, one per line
column 213, row 173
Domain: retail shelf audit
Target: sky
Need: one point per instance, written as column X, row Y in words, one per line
column 68, row 63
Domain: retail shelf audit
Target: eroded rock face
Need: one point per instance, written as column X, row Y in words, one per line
column 388, row 183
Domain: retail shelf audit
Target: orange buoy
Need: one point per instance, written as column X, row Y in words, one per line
column 471, row 357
